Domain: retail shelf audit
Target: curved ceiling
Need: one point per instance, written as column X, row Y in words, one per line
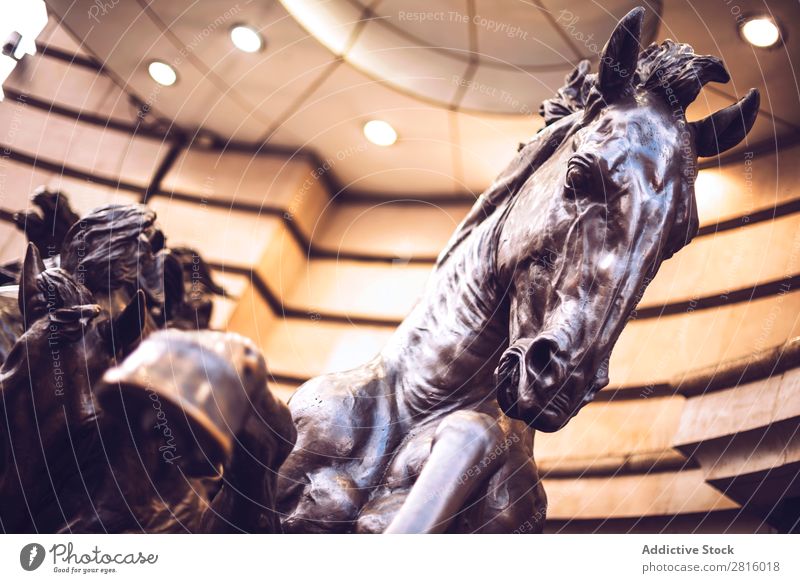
column 476, row 55
column 458, row 125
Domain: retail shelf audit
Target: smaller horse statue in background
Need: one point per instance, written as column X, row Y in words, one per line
column 114, row 251
column 48, row 220
column 47, row 409
column 73, row 459
column 119, row 249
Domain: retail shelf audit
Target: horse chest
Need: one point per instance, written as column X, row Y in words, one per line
column 410, row 458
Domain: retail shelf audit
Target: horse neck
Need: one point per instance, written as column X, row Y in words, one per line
column 44, row 462
column 45, row 448
column 446, row 350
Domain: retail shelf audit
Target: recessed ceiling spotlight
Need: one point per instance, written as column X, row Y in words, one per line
column 380, row 133
column 247, row 38
column 162, row 73
column 760, row 31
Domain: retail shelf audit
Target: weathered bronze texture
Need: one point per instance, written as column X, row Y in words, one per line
column 70, row 465
column 47, row 224
column 514, row 331
column 194, row 310
column 513, row 334
column 200, row 400
column 195, row 375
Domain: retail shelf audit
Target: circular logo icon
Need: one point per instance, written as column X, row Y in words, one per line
column 31, row 556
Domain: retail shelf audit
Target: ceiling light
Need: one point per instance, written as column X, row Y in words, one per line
column 761, row 31
column 162, row 73
column 247, row 39
column 22, row 23
column 380, row 133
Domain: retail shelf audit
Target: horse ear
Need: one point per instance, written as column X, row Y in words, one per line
column 127, row 328
column 32, row 267
column 724, row 129
column 620, row 56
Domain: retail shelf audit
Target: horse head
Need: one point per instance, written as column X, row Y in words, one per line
column 43, row 290
column 69, row 341
column 46, row 398
column 586, row 231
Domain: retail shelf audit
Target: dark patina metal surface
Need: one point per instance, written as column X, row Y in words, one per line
column 515, row 329
column 512, row 335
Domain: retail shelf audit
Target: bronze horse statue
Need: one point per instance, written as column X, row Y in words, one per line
column 68, row 464
column 512, row 335
column 114, row 251
column 514, row 331
column 46, row 403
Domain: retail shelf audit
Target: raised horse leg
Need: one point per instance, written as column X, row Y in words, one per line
column 467, row 450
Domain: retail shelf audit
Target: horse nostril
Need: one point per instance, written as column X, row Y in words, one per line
column 541, row 355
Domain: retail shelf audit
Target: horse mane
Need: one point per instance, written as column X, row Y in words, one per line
column 59, row 289
column 528, row 159
column 571, row 97
column 669, row 69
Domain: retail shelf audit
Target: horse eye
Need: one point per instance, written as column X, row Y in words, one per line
column 581, row 174
column 576, row 180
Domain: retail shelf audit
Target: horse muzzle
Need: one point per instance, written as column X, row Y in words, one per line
column 535, row 383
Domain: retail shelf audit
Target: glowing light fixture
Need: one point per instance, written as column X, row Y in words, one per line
column 246, row 38
column 380, row 133
column 761, row 31
column 162, row 73
column 21, row 24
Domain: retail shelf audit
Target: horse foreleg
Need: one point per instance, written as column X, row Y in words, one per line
column 467, row 450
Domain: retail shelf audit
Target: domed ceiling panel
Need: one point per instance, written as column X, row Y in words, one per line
column 438, row 51
column 388, row 56
column 461, row 81
column 521, row 35
column 509, row 91
column 240, row 96
column 265, row 84
column 421, row 161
